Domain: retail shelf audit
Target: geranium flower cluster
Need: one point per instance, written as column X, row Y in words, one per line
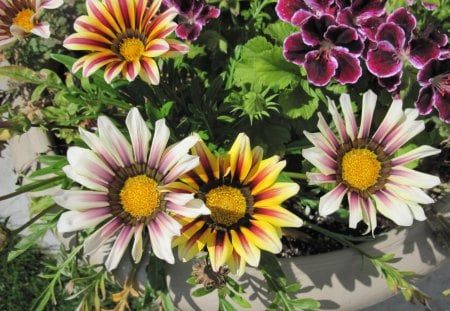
column 336, row 37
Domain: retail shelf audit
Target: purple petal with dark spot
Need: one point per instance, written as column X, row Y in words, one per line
column 432, row 33
column 208, row 12
column 383, row 61
column 345, row 17
column 421, row 51
column 345, row 36
column 404, row 19
column 320, row 67
column 424, row 102
column 315, row 27
column 391, row 33
column 431, row 69
column 320, row 6
column 187, row 31
column 442, row 104
column 370, row 26
column 365, row 9
column 286, row 8
column 295, row 49
column 300, row 17
column 348, row 70
column 391, row 83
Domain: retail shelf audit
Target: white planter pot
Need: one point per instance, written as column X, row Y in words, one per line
column 340, row 280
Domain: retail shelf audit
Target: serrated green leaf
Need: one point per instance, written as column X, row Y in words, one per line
column 199, row 292
column 279, row 31
column 296, row 105
column 306, row 303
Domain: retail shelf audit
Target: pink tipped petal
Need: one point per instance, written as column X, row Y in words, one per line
column 102, row 235
column 175, row 153
column 318, row 140
column 408, row 177
column 324, row 163
column 74, row 220
column 85, row 162
column 86, row 181
column 383, row 61
column 115, row 141
column 401, row 135
column 338, row 121
column 51, row 4
column 368, row 107
column 159, row 143
column 140, row 135
column 119, row 247
column 393, row 208
column 355, row 209
column 137, row 249
column 41, row 30
column 320, row 68
column 96, row 144
column 186, row 164
column 392, row 118
column 327, row 132
column 161, row 241
column 81, row 200
column 319, row 178
column 407, row 193
column 192, row 209
column 349, row 117
column 330, row 202
column 369, row 214
column 418, row 153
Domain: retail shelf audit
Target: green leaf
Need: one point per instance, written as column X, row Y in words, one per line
column 37, row 92
column 295, row 104
column 239, row 300
column 234, row 285
column 306, row 303
column 199, row 292
column 192, row 280
column 293, row 288
column 446, row 292
column 21, row 74
column 38, row 204
column 279, row 31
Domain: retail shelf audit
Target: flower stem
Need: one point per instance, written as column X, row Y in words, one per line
column 30, row 187
column 32, row 220
column 296, row 175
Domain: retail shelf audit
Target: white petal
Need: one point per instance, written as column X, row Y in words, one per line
column 81, row 200
column 51, row 4
column 83, row 180
column 418, row 153
column 178, row 198
column 409, row 193
column 355, row 209
column 175, row 153
column 417, row 211
column 401, row 135
column 186, row 164
column 405, row 176
column 115, row 141
column 140, row 135
column 320, row 160
column 102, row 235
column 338, row 121
column 192, row 209
column 392, row 208
column 330, row 202
column 41, row 30
column 74, row 220
column 319, row 178
column 86, row 163
column 392, row 118
column 159, row 143
column 369, row 214
column 94, row 142
column 368, row 107
column 161, row 240
column 318, row 140
column 349, row 117
column 136, row 251
column 327, row 132
column 119, row 247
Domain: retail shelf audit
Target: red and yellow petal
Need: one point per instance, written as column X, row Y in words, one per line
column 245, row 248
column 160, row 23
column 87, row 23
column 131, row 70
column 263, row 235
column 156, row 47
column 277, row 216
column 112, row 70
column 150, row 13
column 98, row 10
column 268, row 172
column 87, row 41
column 219, row 248
column 209, row 166
column 123, row 12
column 149, row 71
column 240, row 157
column 192, row 240
column 95, row 61
column 275, row 194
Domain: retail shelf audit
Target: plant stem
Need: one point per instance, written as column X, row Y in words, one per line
column 32, row 220
column 30, row 187
column 296, row 175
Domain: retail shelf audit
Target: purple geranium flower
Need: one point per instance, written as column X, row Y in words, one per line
column 396, row 45
column 326, row 50
column 297, row 12
column 196, row 13
column 434, row 78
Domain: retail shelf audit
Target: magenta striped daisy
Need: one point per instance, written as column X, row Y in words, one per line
column 125, row 36
column 19, row 18
column 363, row 165
column 126, row 192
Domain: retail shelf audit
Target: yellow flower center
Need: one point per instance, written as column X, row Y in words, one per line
column 131, row 49
column 140, row 196
column 227, row 205
column 24, row 19
column 360, row 168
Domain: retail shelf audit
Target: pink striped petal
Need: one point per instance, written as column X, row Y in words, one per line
column 186, row 164
column 96, row 144
column 140, row 135
column 318, row 140
column 175, row 153
column 159, row 143
column 355, row 209
column 368, row 107
column 160, row 22
column 119, row 247
column 95, row 61
column 98, row 10
column 155, row 48
column 349, row 117
column 79, row 64
column 137, row 249
column 405, row 176
column 42, row 30
column 114, row 140
column 392, row 118
column 319, row 178
column 85, row 162
column 338, row 122
column 81, row 200
column 418, row 153
column 151, row 11
column 87, row 181
column 327, row 132
column 392, row 208
column 330, row 202
column 112, row 70
column 102, row 235
column 149, row 71
column 91, row 25
column 401, row 135
column 74, row 220
column 131, row 70
column 320, row 160
column 93, row 42
column 176, row 48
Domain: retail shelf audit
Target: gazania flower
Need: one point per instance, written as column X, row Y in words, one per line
column 364, row 167
column 21, row 17
column 244, row 198
column 124, row 189
column 126, row 37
